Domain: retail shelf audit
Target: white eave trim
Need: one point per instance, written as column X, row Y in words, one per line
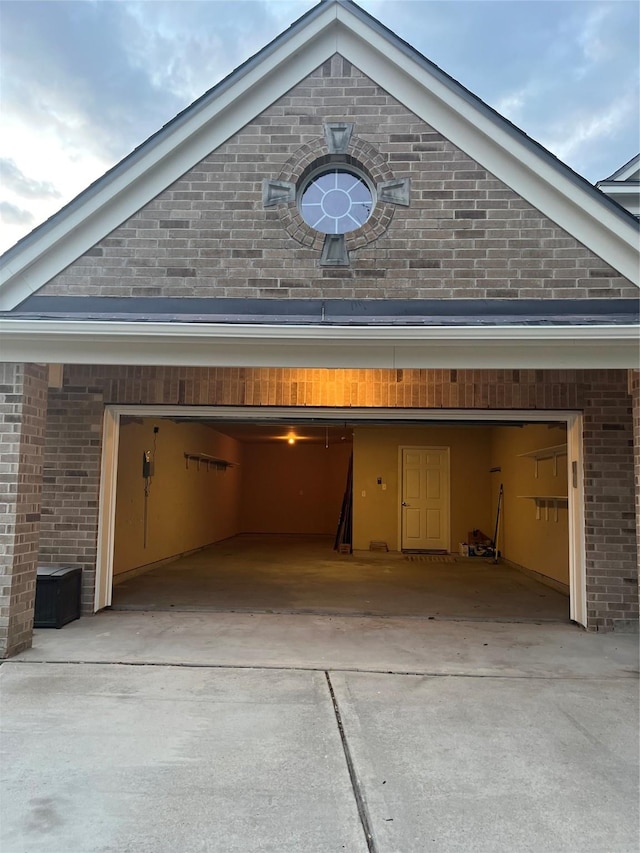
column 237, row 345
column 619, row 188
column 335, row 28
column 626, row 171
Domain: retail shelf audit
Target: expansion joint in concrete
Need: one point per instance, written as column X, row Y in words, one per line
column 349, row 670
column 358, row 793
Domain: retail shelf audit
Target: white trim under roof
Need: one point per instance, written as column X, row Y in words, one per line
column 329, row 28
column 624, row 172
column 258, row 345
column 625, row 193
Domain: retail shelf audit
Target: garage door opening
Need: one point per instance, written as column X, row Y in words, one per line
column 231, row 515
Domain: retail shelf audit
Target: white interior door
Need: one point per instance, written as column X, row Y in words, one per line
column 425, row 498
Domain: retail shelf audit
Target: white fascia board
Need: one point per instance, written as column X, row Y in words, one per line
column 221, row 345
column 618, row 188
column 625, row 172
column 501, row 153
column 179, row 149
column 626, row 196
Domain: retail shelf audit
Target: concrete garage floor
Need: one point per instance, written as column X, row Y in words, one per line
column 285, row 574
column 137, row 732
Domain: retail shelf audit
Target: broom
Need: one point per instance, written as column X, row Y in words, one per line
column 495, row 534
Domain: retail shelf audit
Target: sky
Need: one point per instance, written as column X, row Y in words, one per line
column 83, row 83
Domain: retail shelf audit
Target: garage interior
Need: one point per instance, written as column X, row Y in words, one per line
column 243, row 516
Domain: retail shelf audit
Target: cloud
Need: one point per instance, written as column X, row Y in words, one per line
column 13, row 179
column 186, row 48
column 10, row 214
column 514, row 105
column 572, row 135
column 81, row 88
column 592, row 38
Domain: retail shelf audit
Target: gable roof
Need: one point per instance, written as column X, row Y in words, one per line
column 624, row 186
column 628, row 172
column 334, row 26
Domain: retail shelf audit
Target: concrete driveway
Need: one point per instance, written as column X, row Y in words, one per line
column 300, row 734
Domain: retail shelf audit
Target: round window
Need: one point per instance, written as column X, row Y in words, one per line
column 336, row 202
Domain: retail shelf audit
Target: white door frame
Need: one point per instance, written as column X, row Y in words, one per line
column 403, row 447
column 111, row 438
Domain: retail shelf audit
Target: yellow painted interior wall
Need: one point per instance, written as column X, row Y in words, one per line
column 541, row 545
column 293, row 489
column 187, row 508
column 376, row 451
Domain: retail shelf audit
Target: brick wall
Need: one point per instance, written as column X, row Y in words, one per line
column 610, row 516
column 71, row 484
column 23, row 402
column 634, row 381
column 465, row 233
column 74, row 436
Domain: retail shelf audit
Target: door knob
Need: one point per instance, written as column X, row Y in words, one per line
column 404, row 503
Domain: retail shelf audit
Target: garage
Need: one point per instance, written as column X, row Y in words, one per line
column 480, row 289
column 274, row 512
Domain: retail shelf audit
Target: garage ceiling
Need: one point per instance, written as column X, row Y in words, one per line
column 316, row 431
column 310, row 434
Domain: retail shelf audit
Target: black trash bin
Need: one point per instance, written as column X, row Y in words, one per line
column 57, row 596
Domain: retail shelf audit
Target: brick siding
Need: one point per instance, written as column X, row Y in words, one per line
column 610, row 516
column 23, row 403
column 71, row 484
column 464, row 235
column 635, row 397
column 70, row 504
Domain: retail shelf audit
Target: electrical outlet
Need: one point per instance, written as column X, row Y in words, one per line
column 364, row 494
